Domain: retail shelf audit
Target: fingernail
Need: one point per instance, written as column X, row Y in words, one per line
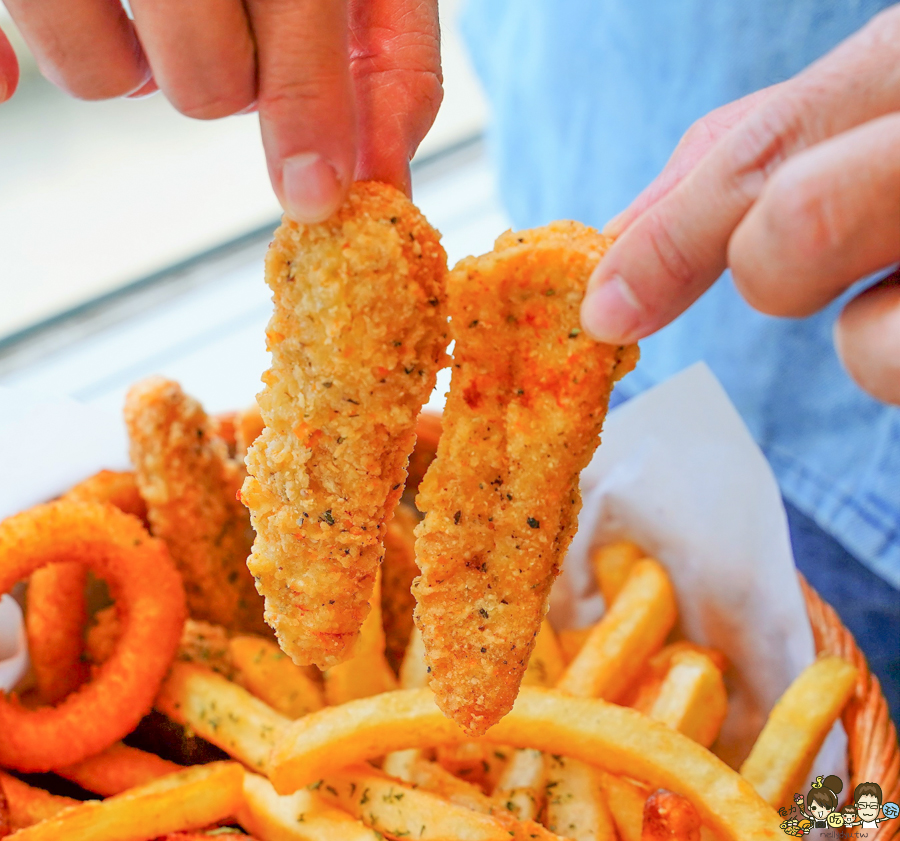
column 611, row 312
column 312, row 190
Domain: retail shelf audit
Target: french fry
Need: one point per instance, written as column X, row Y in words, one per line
column 413, row 669
column 431, row 777
column 29, row 805
column 475, row 761
column 367, row 672
column 643, row 692
column 571, row 641
column 301, row 816
column 692, row 698
column 634, row 627
column 618, row 739
column 780, row 760
column 625, row 799
column 263, row 669
column 612, row 564
column 117, row 769
column 546, row 664
column 669, row 817
column 222, row 713
column 398, row 569
column 576, row 804
column 189, row 799
column 413, row 675
column 399, row 811
column 520, row 788
column 521, row 783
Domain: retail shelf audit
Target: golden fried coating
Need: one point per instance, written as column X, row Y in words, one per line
column 527, row 401
column 190, row 488
column 357, row 337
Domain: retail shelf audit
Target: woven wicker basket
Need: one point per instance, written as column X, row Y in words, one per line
column 874, row 752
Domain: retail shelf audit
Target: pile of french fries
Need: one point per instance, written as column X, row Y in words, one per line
column 370, row 766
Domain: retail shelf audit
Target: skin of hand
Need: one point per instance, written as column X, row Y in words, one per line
column 345, row 89
column 796, row 189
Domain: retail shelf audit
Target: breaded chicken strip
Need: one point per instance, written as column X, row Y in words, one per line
column 357, row 337
column 527, row 401
column 190, row 487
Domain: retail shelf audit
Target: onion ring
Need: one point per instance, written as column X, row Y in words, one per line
column 142, row 578
column 56, row 613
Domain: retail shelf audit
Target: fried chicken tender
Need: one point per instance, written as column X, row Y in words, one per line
column 190, row 487
column 357, row 337
column 527, row 400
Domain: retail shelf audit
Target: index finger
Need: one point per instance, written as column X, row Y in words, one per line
column 675, row 250
column 306, row 107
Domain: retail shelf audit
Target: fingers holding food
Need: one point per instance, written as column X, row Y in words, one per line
column 527, row 400
column 357, row 337
column 142, row 578
column 189, row 485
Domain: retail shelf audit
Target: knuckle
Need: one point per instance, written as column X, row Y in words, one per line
column 668, row 252
column 213, row 105
column 766, row 139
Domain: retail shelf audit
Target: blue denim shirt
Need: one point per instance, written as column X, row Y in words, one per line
column 589, row 98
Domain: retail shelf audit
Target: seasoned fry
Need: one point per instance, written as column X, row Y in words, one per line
column 222, row 713
column 626, row 800
column 635, row 626
column 692, row 698
column 29, row 805
column 117, row 769
column 431, row 777
column 188, row 482
column 399, row 811
column 301, row 816
column 357, row 337
column 669, row 817
column 261, row 667
column 576, row 804
column 527, row 401
column 367, row 672
column 612, row 564
column 521, row 787
column 780, row 760
column 397, row 573
column 476, row 762
column 189, row 799
column 590, row 730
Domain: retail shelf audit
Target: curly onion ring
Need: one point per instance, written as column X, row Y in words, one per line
column 150, row 597
column 56, row 612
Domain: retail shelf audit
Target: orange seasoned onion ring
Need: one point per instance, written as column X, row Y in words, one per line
column 150, row 598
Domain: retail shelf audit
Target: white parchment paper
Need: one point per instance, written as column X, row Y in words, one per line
column 677, row 472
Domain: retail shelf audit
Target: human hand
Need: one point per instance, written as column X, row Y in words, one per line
column 345, row 89
column 796, row 188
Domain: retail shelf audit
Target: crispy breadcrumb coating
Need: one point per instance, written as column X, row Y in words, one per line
column 190, row 487
column 357, row 337
column 527, row 401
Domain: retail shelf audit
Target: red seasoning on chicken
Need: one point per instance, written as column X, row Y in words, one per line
column 527, row 401
column 357, row 337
